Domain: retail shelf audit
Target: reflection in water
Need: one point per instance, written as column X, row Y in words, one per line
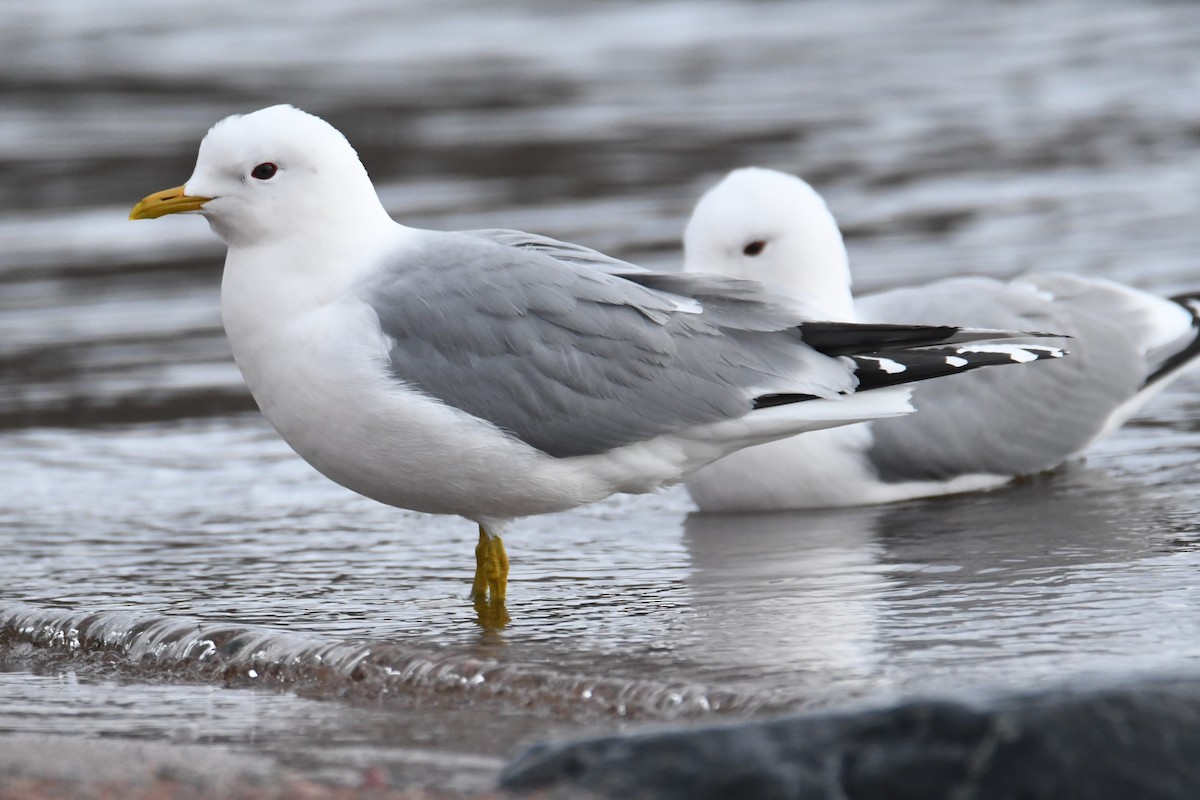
column 1072, row 573
column 791, row 595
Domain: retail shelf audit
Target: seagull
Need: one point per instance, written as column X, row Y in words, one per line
column 970, row 434
column 497, row 374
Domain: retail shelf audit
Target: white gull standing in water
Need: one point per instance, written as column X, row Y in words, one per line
column 497, row 374
column 971, row 433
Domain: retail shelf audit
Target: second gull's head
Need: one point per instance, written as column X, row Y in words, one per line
column 768, row 226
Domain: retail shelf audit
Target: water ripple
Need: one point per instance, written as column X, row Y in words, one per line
column 151, row 647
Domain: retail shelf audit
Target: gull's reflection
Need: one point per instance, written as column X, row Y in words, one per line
column 1071, row 573
column 1049, row 523
column 789, row 592
column 1057, row 576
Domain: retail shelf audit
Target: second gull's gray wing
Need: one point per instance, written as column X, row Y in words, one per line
column 1019, row 422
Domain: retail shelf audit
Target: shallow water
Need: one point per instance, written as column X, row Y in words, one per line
column 172, row 572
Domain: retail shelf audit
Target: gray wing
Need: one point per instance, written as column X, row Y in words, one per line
column 1162, row 329
column 1026, row 421
column 748, row 304
column 566, row 252
column 574, row 360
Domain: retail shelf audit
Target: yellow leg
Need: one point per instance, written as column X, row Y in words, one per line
column 498, row 574
column 479, row 586
column 491, row 568
column 490, row 585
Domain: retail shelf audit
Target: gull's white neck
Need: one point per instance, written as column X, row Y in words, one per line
column 811, row 255
column 820, row 269
column 282, row 277
column 289, row 304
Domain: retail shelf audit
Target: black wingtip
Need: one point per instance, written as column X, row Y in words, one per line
column 890, row 368
column 886, row 368
column 1190, row 302
column 844, row 339
column 1046, row 335
column 853, row 338
column 773, row 400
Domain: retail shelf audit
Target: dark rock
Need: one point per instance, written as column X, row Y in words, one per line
column 1137, row 741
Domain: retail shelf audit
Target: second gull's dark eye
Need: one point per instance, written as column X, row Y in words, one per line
column 754, row 248
column 264, row 171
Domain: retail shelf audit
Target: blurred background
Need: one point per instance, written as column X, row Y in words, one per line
column 986, row 138
column 948, row 138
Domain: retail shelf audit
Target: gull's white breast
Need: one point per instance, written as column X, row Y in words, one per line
column 316, row 362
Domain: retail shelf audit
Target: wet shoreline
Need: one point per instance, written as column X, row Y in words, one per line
column 139, row 486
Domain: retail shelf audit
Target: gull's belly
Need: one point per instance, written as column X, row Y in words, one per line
column 323, row 383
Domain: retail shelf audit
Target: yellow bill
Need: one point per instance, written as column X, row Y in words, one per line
column 168, row 201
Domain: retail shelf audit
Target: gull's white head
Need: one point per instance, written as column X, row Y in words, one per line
column 774, row 228
column 270, row 174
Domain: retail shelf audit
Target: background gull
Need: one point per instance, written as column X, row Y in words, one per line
column 496, row 374
column 974, row 433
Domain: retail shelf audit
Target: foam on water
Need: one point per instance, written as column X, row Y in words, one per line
column 148, row 647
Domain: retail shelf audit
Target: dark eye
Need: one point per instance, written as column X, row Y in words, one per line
column 754, row 248
column 264, row 171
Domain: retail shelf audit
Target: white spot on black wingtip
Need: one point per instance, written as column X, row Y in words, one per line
column 1045, row 351
column 955, row 361
column 886, row 364
column 1020, row 353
